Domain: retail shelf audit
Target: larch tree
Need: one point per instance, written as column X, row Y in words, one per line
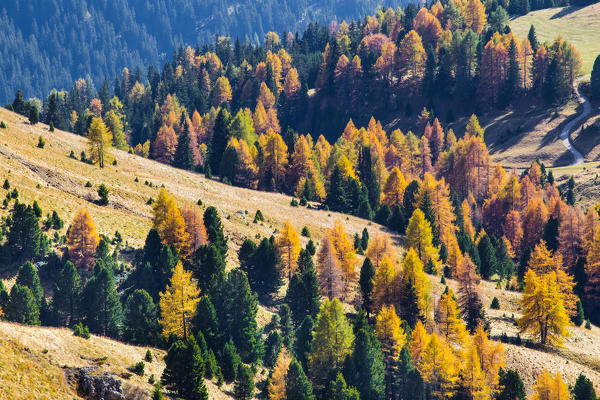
column 276, row 388
column 449, row 323
column 413, row 274
column 473, row 378
column 392, row 338
column 491, row 355
column 412, row 54
column 329, row 270
column 393, row 191
column 288, row 244
column 164, row 146
column 384, row 288
column 439, row 367
column 194, row 226
column 99, row 140
column 178, row 303
column 380, row 245
column 471, row 308
column 418, row 342
column 83, row 240
column 275, row 159
column 544, row 313
column 550, row 387
column 474, row 15
column 332, row 341
column 419, row 237
column 345, row 253
column 169, row 223
column 221, row 92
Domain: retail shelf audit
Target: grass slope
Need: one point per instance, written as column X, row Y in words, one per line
column 578, row 25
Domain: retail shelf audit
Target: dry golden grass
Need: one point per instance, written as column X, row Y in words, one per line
column 62, row 188
column 32, row 361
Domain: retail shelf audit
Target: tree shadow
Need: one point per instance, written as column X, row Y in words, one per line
column 565, row 11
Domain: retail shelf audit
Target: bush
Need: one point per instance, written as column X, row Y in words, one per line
column 258, row 216
column 114, row 162
column 88, row 184
column 51, row 126
column 495, row 304
column 294, row 203
column 588, row 325
column 103, row 194
column 138, row 368
column 2, row 125
column 41, row 144
column 150, row 201
column 305, row 232
column 81, row 331
column 72, row 154
column 303, row 201
column 199, row 202
column 6, row 185
column 148, row 356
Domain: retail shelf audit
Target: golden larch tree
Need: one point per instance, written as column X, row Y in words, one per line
column 344, row 250
column 449, row 323
column 439, row 367
column 277, row 382
column 384, row 287
column 544, row 313
column 419, row 237
column 473, row 378
column 83, row 240
column 99, row 141
column 380, row 245
column 392, row 338
column 550, row 387
column 178, row 303
column 169, row 222
column 288, row 244
column 329, row 271
column 393, row 191
column 194, row 226
column 418, row 342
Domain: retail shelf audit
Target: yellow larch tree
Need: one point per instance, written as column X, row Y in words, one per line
column 473, row 377
column 412, row 271
column 277, row 382
column 419, row 237
column 169, row 222
column 544, row 313
column 418, row 342
column 99, row 141
column 288, row 244
column 275, row 158
column 392, row 338
column 550, row 387
column 449, row 323
column 345, row 253
column 542, row 261
column 178, row 303
column 83, row 240
column 384, row 289
column 439, row 367
column 491, row 356
column 393, row 191
column 467, row 223
column 439, row 194
column 380, row 245
column 194, row 226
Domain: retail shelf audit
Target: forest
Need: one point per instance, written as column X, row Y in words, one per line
column 48, row 44
column 354, row 315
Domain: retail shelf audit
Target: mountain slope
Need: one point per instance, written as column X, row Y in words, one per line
column 578, row 25
column 46, row 45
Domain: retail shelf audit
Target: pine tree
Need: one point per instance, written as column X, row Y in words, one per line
column 487, row 255
column 184, row 155
column 408, row 382
column 206, row 321
column 336, row 194
column 66, row 293
column 141, row 319
column 23, row 306
column 532, row 37
column 392, row 338
column 512, row 387
column 242, row 326
column 24, row 234
column 178, row 303
column 29, row 278
column 303, row 295
column 219, row 139
column 184, row 370
column 338, row 390
column 214, row 230
column 365, row 370
column 583, row 389
column 297, row 385
column 595, row 80
column 302, row 345
column 244, row 384
column 102, row 306
column 366, row 281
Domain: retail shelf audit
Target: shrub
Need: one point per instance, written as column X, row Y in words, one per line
column 588, row 325
column 303, row 201
column 88, row 184
column 2, row 125
column 81, row 331
column 150, row 201
column 114, row 162
column 495, row 304
column 294, row 203
column 72, row 154
column 51, row 126
column 6, row 185
column 137, row 368
column 103, row 194
column 41, row 144
column 148, row 356
column 258, row 216
column 305, row 232
column 15, row 194
column 199, row 202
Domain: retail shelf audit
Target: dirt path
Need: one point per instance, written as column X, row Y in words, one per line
column 564, row 135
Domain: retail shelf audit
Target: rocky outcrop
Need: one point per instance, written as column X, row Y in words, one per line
column 91, row 386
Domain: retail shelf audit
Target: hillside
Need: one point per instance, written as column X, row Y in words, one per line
column 578, row 25
column 61, row 183
column 46, row 45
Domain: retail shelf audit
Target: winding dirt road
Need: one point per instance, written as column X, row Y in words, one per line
column 564, row 135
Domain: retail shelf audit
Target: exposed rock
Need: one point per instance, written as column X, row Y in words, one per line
column 92, row 386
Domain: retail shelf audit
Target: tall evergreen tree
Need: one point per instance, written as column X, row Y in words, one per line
column 141, row 319
column 66, row 294
column 487, row 255
column 302, row 345
column 303, row 295
column 184, row 156
column 336, row 195
column 28, row 277
column 101, row 305
column 583, row 389
column 242, row 327
column 219, row 139
column 368, row 177
column 532, row 37
column 408, row 383
column 24, row 234
column 366, row 369
column 366, row 281
column 244, row 384
column 23, row 306
column 511, row 385
column 297, row 385
column 184, row 370
column 214, row 230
